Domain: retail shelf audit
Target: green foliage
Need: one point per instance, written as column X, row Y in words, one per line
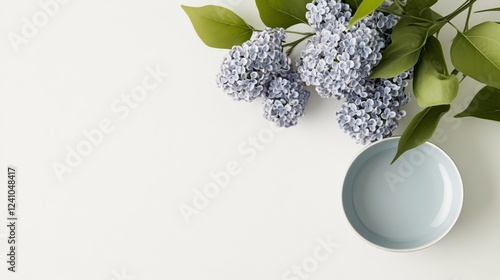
column 432, row 84
column 365, row 8
column 282, row 13
column 420, row 129
column 218, row 27
column 485, row 105
column 408, row 38
column 476, row 53
column 354, row 4
column 490, row 10
column 416, row 7
column 419, row 4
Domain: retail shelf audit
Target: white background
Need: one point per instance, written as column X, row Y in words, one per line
column 116, row 215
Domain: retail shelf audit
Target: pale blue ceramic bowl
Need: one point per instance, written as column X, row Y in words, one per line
column 408, row 205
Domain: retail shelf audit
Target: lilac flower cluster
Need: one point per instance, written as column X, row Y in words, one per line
column 247, row 68
column 373, row 112
column 260, row 68
column 285, row 100
column 338, row 62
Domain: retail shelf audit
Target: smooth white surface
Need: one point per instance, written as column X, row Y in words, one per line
column 117, row 213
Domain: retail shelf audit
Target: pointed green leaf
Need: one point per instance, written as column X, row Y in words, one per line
column 354, row 4
column 420, row 4
column 366, row 8
column 408, row 38
column 490, row 10
column 282, row 13
column 394, row 8
column 476, row 53
column 415, row 7
column 485, row 105
column 430, row 14
column 420, row 129
column 218, row 27
column 432, row 85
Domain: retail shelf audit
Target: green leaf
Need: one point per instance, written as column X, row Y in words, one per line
column 432, row 84
column 415, row 7
column 421, row 9
column 430, row 14
column 394, row 8
column 490, row 10
column 485, row 105
column 419, row 4
column 366, row 8
column 282, row 13
column 408, row 38
column 420, row 129
column 476, row 53
column 354, row 4
column 218, row 27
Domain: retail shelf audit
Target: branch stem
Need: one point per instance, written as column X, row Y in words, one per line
column 468, row 18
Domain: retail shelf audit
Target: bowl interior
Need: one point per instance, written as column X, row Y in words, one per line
column 405, row 206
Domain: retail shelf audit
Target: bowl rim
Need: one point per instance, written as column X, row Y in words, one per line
column 459, row 188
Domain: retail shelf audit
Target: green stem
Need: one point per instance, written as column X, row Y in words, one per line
column 463, row 5
column 398, row 4
column 468, row 18
column 466, row 5
column 401, row 15
column 458, row 11
column 293, row 44
column 300, row 33
column 458, row 30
